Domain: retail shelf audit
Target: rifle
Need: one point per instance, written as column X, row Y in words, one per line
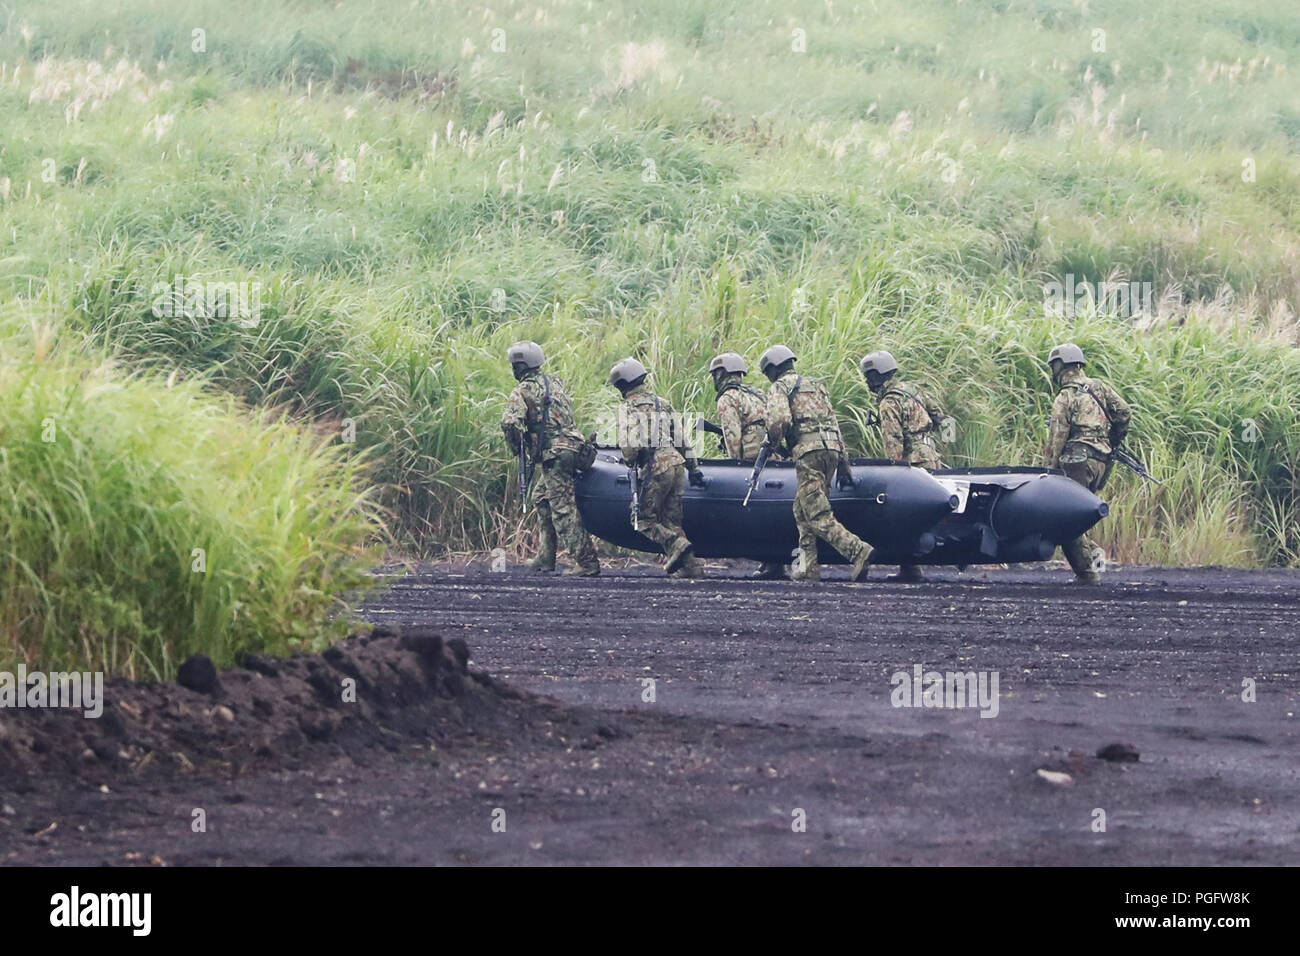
column 525, row 473
column 759, row 463
column 704, row 424
column 1121, row 455
column 636, row 497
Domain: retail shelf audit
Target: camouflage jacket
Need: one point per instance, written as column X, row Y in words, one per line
column 742, row 413
column 650, row 435
column 1088, row 420
column 800, row 416
column 540, row 408
column 909, row 424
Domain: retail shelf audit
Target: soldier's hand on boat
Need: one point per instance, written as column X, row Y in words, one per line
column 697, row 478
column 844, row 475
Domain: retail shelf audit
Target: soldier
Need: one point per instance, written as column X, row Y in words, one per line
column 539, row 414
column 801, row 419
column 1088, row 420
column 654, row 444
column 909, row 421
column 742, row 413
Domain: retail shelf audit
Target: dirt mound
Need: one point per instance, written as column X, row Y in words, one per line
column 387, row 689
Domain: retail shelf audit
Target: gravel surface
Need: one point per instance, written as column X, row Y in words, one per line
column 769, row 735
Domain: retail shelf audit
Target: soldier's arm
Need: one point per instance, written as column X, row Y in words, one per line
column 1058, row 431
column 778, row 415
column 729, row 413
column 891, row 427
column 1121, row 416
column 933, row 409
column 514, row 421
column 631, row 432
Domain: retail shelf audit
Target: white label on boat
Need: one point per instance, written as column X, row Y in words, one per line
column 959, row 488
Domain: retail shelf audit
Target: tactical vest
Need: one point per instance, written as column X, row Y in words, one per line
column 813, row 422
column 551, row 420
column 753, row 418
column 1090, row 425
column 919, row 425
column 656, row 425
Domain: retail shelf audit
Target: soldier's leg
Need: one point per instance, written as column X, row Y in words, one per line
column 661, row 497
column 807, row 567
column 1082, row 554
column 820, row 472
column 652, row 493
column 546, row 538
column 682, row 556
column 565, row 517
column 907, row 574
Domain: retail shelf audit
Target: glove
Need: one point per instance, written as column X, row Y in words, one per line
column 697, row 478
column 844, row 475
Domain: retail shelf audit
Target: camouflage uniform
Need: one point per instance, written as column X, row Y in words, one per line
column 540, row 412
column 909, row 420
column 742, row 412
column 646, row 439
column 1088, row 420
column 800, row 417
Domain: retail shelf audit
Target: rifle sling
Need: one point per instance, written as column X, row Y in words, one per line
column 1104, row 411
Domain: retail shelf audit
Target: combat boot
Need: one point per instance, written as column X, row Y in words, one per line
column 545, row 560
column 693, row 568
column 809, row 572
column 584, row 571
column 862, row 564
column 907, row 574
column 1087, row 577
column 678, row 555
column 770, row 571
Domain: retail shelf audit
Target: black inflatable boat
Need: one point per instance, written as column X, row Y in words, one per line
column 956, row 516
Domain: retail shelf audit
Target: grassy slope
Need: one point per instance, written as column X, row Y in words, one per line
column 142, row 520
column 671, row 178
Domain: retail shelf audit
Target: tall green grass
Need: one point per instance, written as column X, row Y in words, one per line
column 143, row 519
column 671, row 179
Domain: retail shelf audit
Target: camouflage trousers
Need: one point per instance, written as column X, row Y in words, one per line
column 1083, row 555
column 925, row 455
column 557, row 507
column 814, row 472
column 660, row 514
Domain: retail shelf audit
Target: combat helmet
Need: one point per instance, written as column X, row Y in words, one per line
column 529, row 353
column 729, row 362
column 625, row 372
column 1069, row 353
column 881, row 363
column 776, row 355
